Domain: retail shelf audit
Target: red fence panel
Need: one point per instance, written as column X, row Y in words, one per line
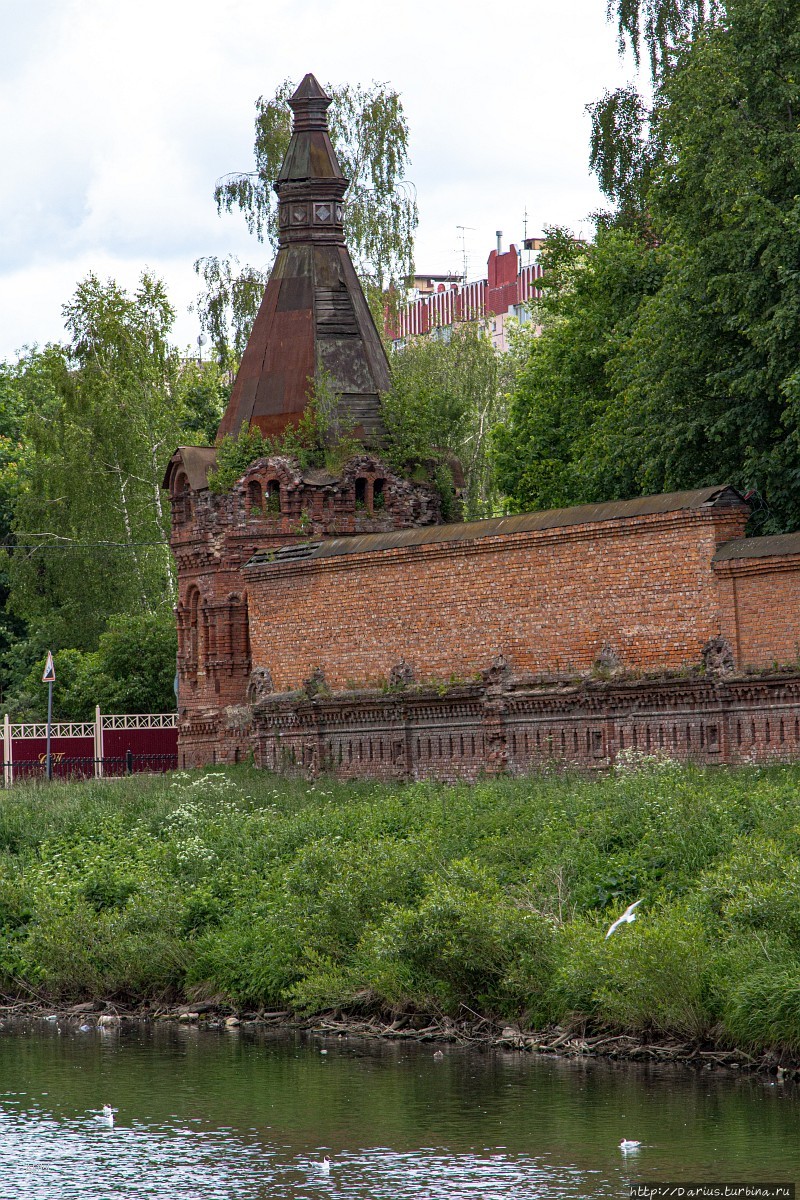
column 139, row 750
column 72, row 757
column 109, row 745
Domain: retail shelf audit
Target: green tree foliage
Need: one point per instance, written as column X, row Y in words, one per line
column 12, row 412
column 317, row 439
column 712, row 368
column 565, row 440
column 659, row 26
column 132, row 671
column 622, row 143
column 446, row 395
column 669, row 360
column 203, row 390
column 90, row 521
column 100, row 418
column 370, row 136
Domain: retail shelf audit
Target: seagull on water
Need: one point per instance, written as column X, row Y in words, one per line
column 626, row 918
column 325, row 1165
column 107, row 1115
column 626, row 1145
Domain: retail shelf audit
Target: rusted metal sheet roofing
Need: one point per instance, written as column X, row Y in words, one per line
column 313, row 312
column 319, row 477
column 759, row 547
column 197, row 461
column 554, row 518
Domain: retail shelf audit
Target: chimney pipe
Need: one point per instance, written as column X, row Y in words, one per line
column 499, row 236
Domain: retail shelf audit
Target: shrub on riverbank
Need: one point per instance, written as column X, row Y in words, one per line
column 492, row 899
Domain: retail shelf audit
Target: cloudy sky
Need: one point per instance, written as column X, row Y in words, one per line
column 118, row 116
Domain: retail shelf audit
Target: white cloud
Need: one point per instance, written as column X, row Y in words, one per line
column 117, row 118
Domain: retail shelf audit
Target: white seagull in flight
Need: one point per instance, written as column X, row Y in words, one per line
column 626, row 918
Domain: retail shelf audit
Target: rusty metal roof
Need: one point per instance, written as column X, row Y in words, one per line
column 759, row 547
column 197, row 461
column 313, row 313
column 555, row 518
column 319, row 477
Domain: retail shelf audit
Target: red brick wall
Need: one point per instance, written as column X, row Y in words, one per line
column 512, row 727
column 760, row 600
column 548, row 600
column 213, row 536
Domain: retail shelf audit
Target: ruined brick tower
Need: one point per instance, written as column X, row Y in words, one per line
column 313, row 315
column 313, row 318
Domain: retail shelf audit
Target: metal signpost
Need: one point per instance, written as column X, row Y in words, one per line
column 49, row 677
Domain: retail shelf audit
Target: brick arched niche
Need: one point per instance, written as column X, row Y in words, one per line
column 235, row 634
column 181, row 497
column 255, row 498
column 263, row 497
column 370, row 494
column 191, row 640
column 213, row 636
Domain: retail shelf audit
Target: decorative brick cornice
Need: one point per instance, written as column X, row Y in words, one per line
column 738, row 567
column 476, row 545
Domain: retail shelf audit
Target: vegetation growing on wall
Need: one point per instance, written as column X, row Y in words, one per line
column 447, row 396
column 317, row 439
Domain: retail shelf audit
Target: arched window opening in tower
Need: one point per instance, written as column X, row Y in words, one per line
column 273, row 497
column 182, row 508
column 193, row 631
column 255, row 499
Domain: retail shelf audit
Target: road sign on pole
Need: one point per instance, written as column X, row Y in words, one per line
column 49, row 677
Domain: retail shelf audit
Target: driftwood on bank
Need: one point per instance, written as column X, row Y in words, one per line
column 481, row 1032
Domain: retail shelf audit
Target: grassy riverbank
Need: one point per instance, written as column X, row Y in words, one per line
column 496, row 897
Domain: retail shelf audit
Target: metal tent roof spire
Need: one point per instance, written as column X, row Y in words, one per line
column 314, row 314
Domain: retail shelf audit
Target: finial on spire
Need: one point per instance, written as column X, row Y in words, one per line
column 309, row 89
column 310, row 185
column 310, row 105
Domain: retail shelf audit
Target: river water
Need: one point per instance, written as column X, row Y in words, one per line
column 247, row 1115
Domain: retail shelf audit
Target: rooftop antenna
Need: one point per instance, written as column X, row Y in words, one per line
column 463, row 233
column 525, row 231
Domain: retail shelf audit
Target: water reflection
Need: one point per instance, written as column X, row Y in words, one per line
column 218, row 1115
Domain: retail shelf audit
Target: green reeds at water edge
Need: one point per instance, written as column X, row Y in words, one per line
column 493, row 898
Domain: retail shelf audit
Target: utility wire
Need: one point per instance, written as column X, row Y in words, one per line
column 78, row 545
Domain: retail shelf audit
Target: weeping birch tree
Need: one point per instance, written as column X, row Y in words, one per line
column 103, row 414
column 369, row 133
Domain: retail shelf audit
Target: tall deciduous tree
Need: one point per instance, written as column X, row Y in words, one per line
column 712, row 365
column 370, row 135
column 102, row 415
column 624, row 143
column 447, row 396
column 566, row 436
column 694, row 361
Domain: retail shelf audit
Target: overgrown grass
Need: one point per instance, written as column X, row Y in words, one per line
column 493, row 898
